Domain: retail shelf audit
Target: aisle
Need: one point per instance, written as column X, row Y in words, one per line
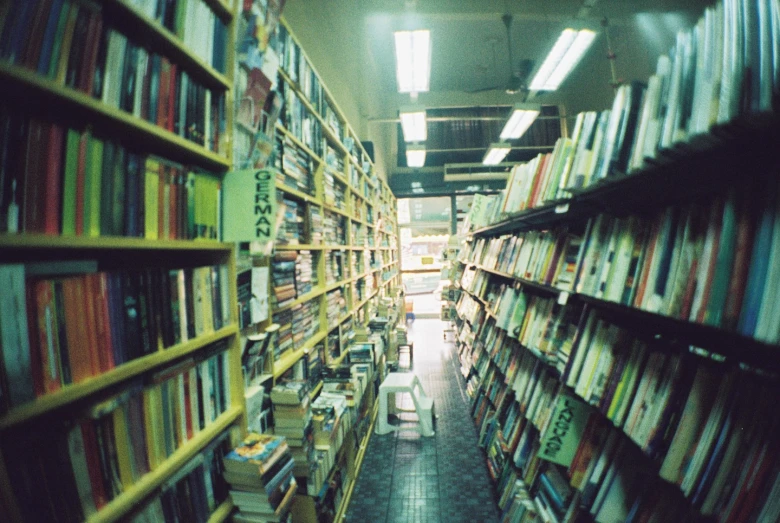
column 407, row 478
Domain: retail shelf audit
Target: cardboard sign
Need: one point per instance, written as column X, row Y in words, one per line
column 249, row 203
column 563, row 434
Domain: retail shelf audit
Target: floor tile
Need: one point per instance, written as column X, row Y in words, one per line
column 413, row 479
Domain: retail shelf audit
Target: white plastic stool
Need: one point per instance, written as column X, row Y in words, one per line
column 405, row 382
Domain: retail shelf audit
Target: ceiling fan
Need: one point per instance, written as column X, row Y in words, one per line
column 517, row 77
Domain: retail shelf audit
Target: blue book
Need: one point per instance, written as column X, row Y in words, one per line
column 49, row 36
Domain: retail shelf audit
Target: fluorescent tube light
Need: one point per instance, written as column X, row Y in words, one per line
column 415, row 155
column 563, row 57
column 496, row 153
column 413, row 124
column 519, row 121
column 413, row 60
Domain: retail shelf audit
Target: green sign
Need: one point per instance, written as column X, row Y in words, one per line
column 249, row 206
column 563, row 434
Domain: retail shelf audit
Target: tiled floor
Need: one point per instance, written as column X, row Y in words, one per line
column 410, row 479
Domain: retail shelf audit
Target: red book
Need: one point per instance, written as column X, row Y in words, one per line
column 163, row 97
column 716, row 222
column 648, row 262
column 102, row 321
column 88, row 318
column 93, row 463
column 88, row 66
column 538, row 180
column 52, row 190
column 76, row 330
column 32, row 203
column 81, row 173
column 174, row 79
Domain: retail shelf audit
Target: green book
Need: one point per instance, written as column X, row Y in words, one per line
column 69, row 182
column 724, row 264
column 92, row 183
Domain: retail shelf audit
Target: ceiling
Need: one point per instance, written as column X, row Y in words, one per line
column 350, row 44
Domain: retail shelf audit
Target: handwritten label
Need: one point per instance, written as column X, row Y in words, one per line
column 563, row 434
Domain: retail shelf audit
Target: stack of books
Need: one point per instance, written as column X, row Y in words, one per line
column 260, row 474
column 289, row 232
column 334, row 190
column 334, row 267
column 296, row 167
column 292, row 420
column 305, row 277
column 305, row 322
column 285, row 336
column 315, row 225
column 283, row 270
column 334, row 229
column 337, row 305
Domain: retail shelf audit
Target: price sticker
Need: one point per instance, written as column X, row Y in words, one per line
column 563, row 298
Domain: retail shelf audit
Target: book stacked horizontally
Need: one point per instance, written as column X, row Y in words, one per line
column 292, row 419
column 260, row 474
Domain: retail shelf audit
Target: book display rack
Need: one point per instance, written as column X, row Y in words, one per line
column 120, row 364
column 621, row 289
column 334, row 259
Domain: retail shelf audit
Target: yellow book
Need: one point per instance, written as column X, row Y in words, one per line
column 152, row 427
column 151, row 199
column 123, row 451
column 67, row 38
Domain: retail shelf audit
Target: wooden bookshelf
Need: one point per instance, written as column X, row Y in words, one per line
column 159, row 140
column 222, row 512
column 121, row 505
column 37, row 96
column 77, row 391
column 151, row 31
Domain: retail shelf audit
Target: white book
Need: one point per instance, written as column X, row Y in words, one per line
column 621, row 263
column 591, row 359
column 654, row 130
column 599, row 146
column 584, row 151
column 636, row 366
column 616, row 117
column 112, row 76
column 563, row 183
column 675, row 93
column 583, row 348
column 140, row 72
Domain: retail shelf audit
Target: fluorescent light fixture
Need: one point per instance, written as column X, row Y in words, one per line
column 413, row 60
column 415, row 155
column 563, row 57
column 413, row 124
column 519, row 121
column 496, row 153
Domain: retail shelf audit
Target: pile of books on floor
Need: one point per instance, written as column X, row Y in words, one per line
column 260, row 475
column 292, row 420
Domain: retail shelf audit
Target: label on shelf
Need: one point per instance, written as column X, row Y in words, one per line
column 562, row 208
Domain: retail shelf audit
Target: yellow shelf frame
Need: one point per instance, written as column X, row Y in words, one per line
column 222, row 512
column 42, row 241
column 121, row 505
column 297, row 194
column 291, row 358
column 77, row 391
column 123, row 121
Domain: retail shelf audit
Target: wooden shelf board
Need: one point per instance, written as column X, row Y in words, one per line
column 149, row 482
column 300, row 247
column 42, row 241
column 71, row 393
column 317, row 388
column 332, row 208
column 297, row 194
column 222, row 9
column 222, row 512
column 126, row 121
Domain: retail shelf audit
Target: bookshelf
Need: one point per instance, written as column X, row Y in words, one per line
column 564, row 296
column 331, row 263
column 104, row 277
